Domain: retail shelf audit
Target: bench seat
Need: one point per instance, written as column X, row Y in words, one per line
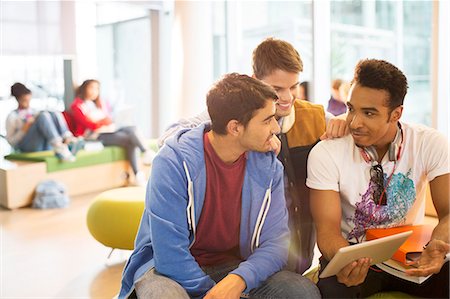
column 84, row 158
column 93, row 171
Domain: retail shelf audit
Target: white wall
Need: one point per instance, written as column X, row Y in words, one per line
column 192, row 57
column 322, row 53
column 85, row 63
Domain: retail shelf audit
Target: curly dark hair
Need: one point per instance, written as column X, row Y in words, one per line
column 382, row 75
column 236, row 97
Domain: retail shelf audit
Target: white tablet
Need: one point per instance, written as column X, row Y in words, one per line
column 379, row 250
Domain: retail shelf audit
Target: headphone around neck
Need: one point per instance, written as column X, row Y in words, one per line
column 370, row 153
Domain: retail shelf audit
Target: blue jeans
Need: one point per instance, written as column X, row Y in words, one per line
column 286, row 284
column 281, row 285
column 47, row 129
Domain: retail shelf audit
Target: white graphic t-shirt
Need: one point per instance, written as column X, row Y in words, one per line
column 338, row 165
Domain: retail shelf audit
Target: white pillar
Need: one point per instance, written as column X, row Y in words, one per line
column 368, row 13
column 321, row 52
column 85, row 66
column 441, row 65
column 68, row 29
column 399, row 33
column 164, row 108
column 192, row 57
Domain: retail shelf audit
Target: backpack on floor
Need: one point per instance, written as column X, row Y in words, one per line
column 50, row 194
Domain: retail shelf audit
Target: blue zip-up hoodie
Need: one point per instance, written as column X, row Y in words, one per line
column 174, row 201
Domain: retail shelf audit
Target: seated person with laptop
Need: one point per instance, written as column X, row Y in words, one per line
column 376, row 177
column 30, row 130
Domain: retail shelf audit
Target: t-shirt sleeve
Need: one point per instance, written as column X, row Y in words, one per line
column 14, row 133
column 323, row 172
column 435, row 154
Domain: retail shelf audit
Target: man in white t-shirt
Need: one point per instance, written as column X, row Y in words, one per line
column 377, row 177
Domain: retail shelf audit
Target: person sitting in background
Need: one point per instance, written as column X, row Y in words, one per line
column 91, row 121
column 336, row 105
column 29, row 130
column 303, row 91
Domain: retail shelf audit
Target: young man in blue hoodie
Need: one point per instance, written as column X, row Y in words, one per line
column 215, row 223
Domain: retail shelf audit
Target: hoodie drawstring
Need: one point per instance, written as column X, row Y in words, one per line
column 190, row 210
column 261, row 217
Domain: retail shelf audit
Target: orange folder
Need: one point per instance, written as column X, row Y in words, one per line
column 412, row 248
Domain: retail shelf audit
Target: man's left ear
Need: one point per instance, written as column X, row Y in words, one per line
column 396, row 113
column 234, row 127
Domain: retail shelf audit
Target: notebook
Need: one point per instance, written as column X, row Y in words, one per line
column 410, row 251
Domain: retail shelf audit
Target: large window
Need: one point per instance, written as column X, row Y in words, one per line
column 416, row 48
column 249, row 22
column 356, row 33
column 397, row 31
column 124, row 63
column 32, row 51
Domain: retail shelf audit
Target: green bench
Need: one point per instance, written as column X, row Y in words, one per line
column 92, row 171
column 84, row 158
column 20, row 173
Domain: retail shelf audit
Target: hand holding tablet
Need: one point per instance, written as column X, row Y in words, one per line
column 378, row 251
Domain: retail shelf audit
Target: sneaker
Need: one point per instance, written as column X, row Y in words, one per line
column 140, row 179
column 67, row 136
column 148, row 156
column 63, row 153
column 76, row 144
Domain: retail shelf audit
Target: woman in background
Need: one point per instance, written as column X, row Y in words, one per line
column 28, row 130
column 303, row 91
column 344, row 90
column 336, row 105
column 91, row 121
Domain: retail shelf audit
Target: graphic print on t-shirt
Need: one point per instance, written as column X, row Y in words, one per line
column 401, row 194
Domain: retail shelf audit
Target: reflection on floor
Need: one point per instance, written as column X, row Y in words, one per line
column 50, row 254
